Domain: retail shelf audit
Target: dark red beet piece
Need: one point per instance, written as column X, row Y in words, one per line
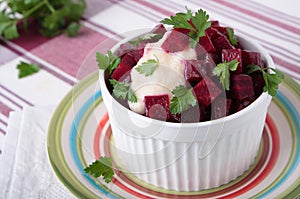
column 136, row 54
column 207, row 44
column 215, row 23
column 222, row 42
column 221, row 107
column 124, row 49
column 231, row 54
column 241, row 104
column 120, row 73
column 241, row 87
column 258, row 82
column 191, row 72
column 158, row 107
column 250, row 57
column 176, row 41
column 211, row 32
column 206, row 91
column 159, row 29
column 195, row 70
column 222, row 30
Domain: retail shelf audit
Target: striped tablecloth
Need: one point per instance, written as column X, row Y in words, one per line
column 275, row 24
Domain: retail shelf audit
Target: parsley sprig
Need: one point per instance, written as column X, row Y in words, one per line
column 183, row 99
column 233, row 40
column 101, row 167
column 107, row 62
column 26, row 69
column 197, row 28
column 222, row 70
column 53, row 17
column 123, row 90
column 147, row 67
column 272, row 80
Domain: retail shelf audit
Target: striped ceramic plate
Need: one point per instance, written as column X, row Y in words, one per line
column 80, row 132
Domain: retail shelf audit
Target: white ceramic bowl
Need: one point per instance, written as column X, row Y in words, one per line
column 188, row 156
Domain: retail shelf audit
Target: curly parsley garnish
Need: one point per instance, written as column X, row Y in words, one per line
column 107, row 62
column 147, row 67
column 271, row 80
column 183, row 98
column 222, row 70
column 101, row 167
column 123, row 90
column 197, row 28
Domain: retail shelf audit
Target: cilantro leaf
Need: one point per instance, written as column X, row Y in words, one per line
column 222, row 70
column 149, row 36
column 147, row 67
column 123, row 90
column 101, row 167
column 197, row 28
column 183, row 98
column 26, row 69
column 233, row 40
column 107, row 62
column 272, row 80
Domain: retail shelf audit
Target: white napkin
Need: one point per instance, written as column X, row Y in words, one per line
column 25, row 171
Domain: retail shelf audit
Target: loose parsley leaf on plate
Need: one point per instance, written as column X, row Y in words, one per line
column 26, row 69
column 101, row 167
column 198, row 26
column 123, row 90
column 222, row 70
column 183, row 98
column 147, row 67
column 272, row 80
column 107, row 62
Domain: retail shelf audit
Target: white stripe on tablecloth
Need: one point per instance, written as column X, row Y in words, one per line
column 12, row 105
column 268, row 11
column 14, row 98
column 42, row 88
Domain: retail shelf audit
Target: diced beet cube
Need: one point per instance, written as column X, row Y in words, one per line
column 217, row 57
column 122, row 70
column 195, row 70
column 221, row 107
column 250, row 57
column 159, row 29
column 191, row 72
column 136, row 54
column 211, row 32
column 206, row 91
column 215, row 23
column 241, row 104
column 258, row 82
column 222, row 30
column 176, row 41
column 128, row 60
column 158, row 107
column 241, row 87
column 231, row 54
column 124, row 49
column 221, row 42
column 207, row 44
column 191, row 115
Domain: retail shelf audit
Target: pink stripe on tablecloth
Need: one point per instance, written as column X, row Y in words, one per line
column 4, row 133
column 3, row 122
column 259, row 16
column 68, row 54
column 17, row 96
column 12, row 101
column 4, row 109
column 31, row 38
column 18, row 52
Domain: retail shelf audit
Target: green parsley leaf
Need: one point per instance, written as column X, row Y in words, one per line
column 272, row 80
column 222, row 70
column 148, row 36
column 182, row 20
column 233, row 40
column 107, row 62
column 72, row 29
column 183, row 98
column 147, row 67
column 123, row 90
column 26, row 69
column 101, row 167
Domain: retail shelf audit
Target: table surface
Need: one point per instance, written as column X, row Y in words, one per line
column 65, row 61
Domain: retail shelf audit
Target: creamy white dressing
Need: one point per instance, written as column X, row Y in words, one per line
column 168, row 74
